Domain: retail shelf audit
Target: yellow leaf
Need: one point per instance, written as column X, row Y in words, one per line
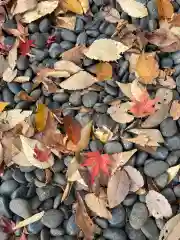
column 165, row 9
column 76, row 6
column 103, row 71
column 147, row 68
column 41, row 117
column 172, row 172
column 3, row 105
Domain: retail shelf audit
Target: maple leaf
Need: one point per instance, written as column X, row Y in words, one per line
column 50, row 40
column 7, row 225
column 25, row 46
column 144, row 107
column 41, row 155
column 97, row 162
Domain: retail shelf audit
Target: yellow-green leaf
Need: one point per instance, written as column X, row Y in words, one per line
column 41, row 117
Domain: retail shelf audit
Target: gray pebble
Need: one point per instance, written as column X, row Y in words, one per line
column 166, row 62
column 130, row 200
column 110, row 29
column 160, row 223
column 47, row 192
column 126, row 144
column 173, row 143
column 52, row 218
column 118, row 217
column 139, row 215
column 66, row 45
column 124, row 66
column 152, row 24
column 113, row 147
column 87, row 62
column 92, row 33
column 177, row 70
column 176, row 57
column 70, row 226
column 101, row 222
column 22, row 63
column 111, row 90
column 134, row 234
column 142, row 198
column 18, row 176
column 83, row 118
column 103, row 120
column 27, row 169
column 168, row 127
column 96, row 145
column 44, row 25
column 75, row 98
column 33, row 27
column 70, row 199
column 141, row 158
column 39, row 40
column 7, row 175
column 160, row 154
column 79, row 27
column 4, row 207
column 150, row 229
column 45, row 234
column 36, row 94
column 60, row 97
column 57, row 232
column 7, row 95
column 35, row 203
column 100, row 107
column 59, row 179
column 152, row 9
column 173, row 157
column 55, row 50
column 14, row 87
column 40, row 174
column 8, row 187
column 177, row 191
column 20, row 192
column 67, row 160
column 103, row 26
column 40, row 54
column 169, row 194
column 89, row 99
column 29, row 73
column 35, row 228
column 58, row 166
column 68, row 35
column 161, row 180
column 20, row 207
column 82, row 38
column 155, row 168
column 108, row 98
column 57, row 201
column 114, row 234
column 47, row 204
column 31, row 191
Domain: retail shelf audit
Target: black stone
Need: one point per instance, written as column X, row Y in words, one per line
column 20, row 207
column 52, row 218
column 22, row 63
column 8, row 187
column 45, row 25
column 47, row 192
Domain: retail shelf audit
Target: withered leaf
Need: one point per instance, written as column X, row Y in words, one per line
column 21, row 79
column 164, row 96
column 85, row 137
column 9, row 74
column 147, row 68
column 68, row 21
column 41, row 117
column 175, row 110
column 175, row 20
column 3, row 65
column 158, row 205
column 75, row 54
column 118, row 188
column 167, row 81
column 13, row 54
column 83, row 220
column 24, row 96
column 67, row 66
column 172, row 172
column 76, row 6
column 103, row 71
column 23, row 6
column 165, row 9
column 110, row 14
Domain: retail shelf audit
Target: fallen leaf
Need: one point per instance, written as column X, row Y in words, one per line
column 103, row 133
column 23, row 6
column 175, row 21
column 65, row 65
column 28, row 146
column 105, row 50
column 136, row 178
column 21, row 79
column 25, row 46
column 13, row 54
column 97, row 205
column 158, row 205
column 164, row 96
column 83, row 220
column 76, row 6
column 133, row 8
column 172, row 172
column 170, row 231
column 20, row 32
column 9, row 74
column 78, row 81
column 21, row 160
column 72, row 169
column 119, row 112
column 42, row 8
column 3, row 65
column 103, row 71
column 41, row 155
column 110, row 14
column 97, row 162
column 137, row 90
column 3, row 105
column 1, row 154
column 175, row 110
column 72, row 128
column 167, row 82
column 48, row 175
column 41, row 117
column 68, row 21
column 165, row 9
column 85, row 137
column 147, row 68
column 66, row 191
column 126, row 89
column 118, row 188
column 75, row 54
column 141, row 140
column 120, row 159
column 24, row 96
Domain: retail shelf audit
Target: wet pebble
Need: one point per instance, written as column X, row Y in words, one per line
column 36, row 94
column 70, row 226
column 173, row 143
column 4, row 207
column 155, row 168
column 111, row 90
column 8, row 187
column 89, row 99
column 20, row 207
column 52, row 218
column 45, row 25
column 75, row 98
column 20, row 192
column 29, row 177
column 47, row 192
column 45, row 234
column 160, row 154
column 58, row 166
column 168, row 127
column 92, row 33
column 130, row 200
column 60, row 97
column 68, row 35
column 35, row 202
column 134, row 234
column 114, row 234
column 57, row 201
column 35, row 228
column 161, row 180
column 173, row 157
column 55, row 50
column 19, row 176
column 39, row 40
column 150, row 229
column 113, row 147
column 118, row 217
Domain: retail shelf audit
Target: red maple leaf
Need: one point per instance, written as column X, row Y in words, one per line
column 50, row 40
column 42, row 155
column 7, row 225
column 25, row 46
column 144, row 107
column 97, row 162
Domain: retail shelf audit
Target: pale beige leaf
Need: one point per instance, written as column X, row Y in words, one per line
column 43, row 8
column 21, row 160
column 13, row 54
column 126, row 89
column 67, row 21
column 175, row 31
column 119, row 113
column 78, row 81
column 9, row 74
column 133, row 58
column 164, row 96
column 137, row 90
column 85, row 137
column 141, row 140
column 24, row 5
column 105, row 50
column 158, row 205
column 1, row 154
column 34, row 218
column 110, row 14
column 97, row 205
column 175, row 110
column 3, row 65
column 171, row 230
column 120, row 159
column 72, row 170
column 66, row 191
column 172, row 172
column 136, row 178
column 133, row 8
column 28, row 146
column 167, row 82
column 21, row 79
column 67, row 66
column 118, row 188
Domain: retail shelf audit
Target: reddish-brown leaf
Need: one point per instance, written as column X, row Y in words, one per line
column 25, row 97
column 25, row 46
column 165, row 9
column 74, row 54
column 175, row 20
column 42, row 155
column 6, row 225
column 50, row 40
column 103, row 71
column 72, row 128
column 23, row 236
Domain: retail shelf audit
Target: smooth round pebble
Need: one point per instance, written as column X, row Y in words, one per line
column 168, row 127
column 130, row 200
column 8, row 187
column 47, row 192
column 20, row 207
column 150, row 229
column 134, row 234
column 89, row 99
column 113, row 147
column 173, row 143
column 118, row 217
column 161, row 153
column 52, row 218
column 155, row 168
column 70, row 226
column 161, row 180
column 19, row 176
column 114, row 234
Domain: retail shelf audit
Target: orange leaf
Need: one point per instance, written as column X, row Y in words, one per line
column 3, row 105
column 165, row 9
column 72, row 128
column 41, row 117
column 25, row 97
column 175, row 110
column 103, row 71
column 175, row 20
column 147, row 68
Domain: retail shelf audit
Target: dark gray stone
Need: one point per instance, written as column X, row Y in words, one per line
column 19, row 176
column 20, row 192
column 168, row 127
column 22, row 63
column 35, row 228
column 20, row 207
column 47, row 192
column 152, row 9
column 113, row 147
column 100, row 107
column 59, row 179
column 70, row 226
column 160, row 223
column 58, row 166
column 114, row 234
column 75, row 98
column 92, row 33
column 29, row 176
column 45, row 25
column 169, row 194
column 161, row 180
column 35, row 203
column 83, row 118
column 141, row 158
column 111, row 90
column 27, row 169
column 177, row 191
column 127, row 145
column 118, row 217
column 68, row 35
column 29, row 73
column 40, row 54
column 130, row 200
column 57, row 201
column 35, row 94
column 166, row 62
column 8, row 187
column 155, row 168
column 123, row 68
column 66, row 45
column 79, row 27
column 173, row 143
column 67, row 160
column 134, row 234
column 27, row 86
column 39, row 40
column 4, row 207
column 96, row 145
column 176, row 57
column 7, row 175
column 101, row 222
column 33, row 27
column 173, row 157
column 47, row 204
column 45, row 234
column 110, row 29
column 57, row 232
column 82, row 39
column 7, row 95
column 150, row 229
column 61, row 97
column 89, row 99
column 139, row 215
column 55, row 50
column 52, row 218
column 40, row 174
column 14, row 87
column 161, row 153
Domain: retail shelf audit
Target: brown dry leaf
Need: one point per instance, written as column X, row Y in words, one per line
column 48, row 175
column 42, row 8
column 147, row 68
column 83, row 220
column 165, row 9
column 110, row 14
column 78, row 81
column 23, row 6
column 97, row 205
column 21, row 79
column 13, row 54
column 76, row 6
column 118, row 188
column 103, row 71
column 155, row 119
column 105, row 50
column 171, row 230
column 119, row 113
column 68, row 21
column 141, row 140
column 41, row 117
column 3, row 65
column 48, row 72
column 120, row 159
column 175, row 20
column 48, row 84
column 75, row 54
column 9, row 74
column 25, row 97
column 66, row 66
column 1, row 154
column 175, row 110
column 85, row 137
column 136, row 178
column 133, row 58
column 158, row 205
